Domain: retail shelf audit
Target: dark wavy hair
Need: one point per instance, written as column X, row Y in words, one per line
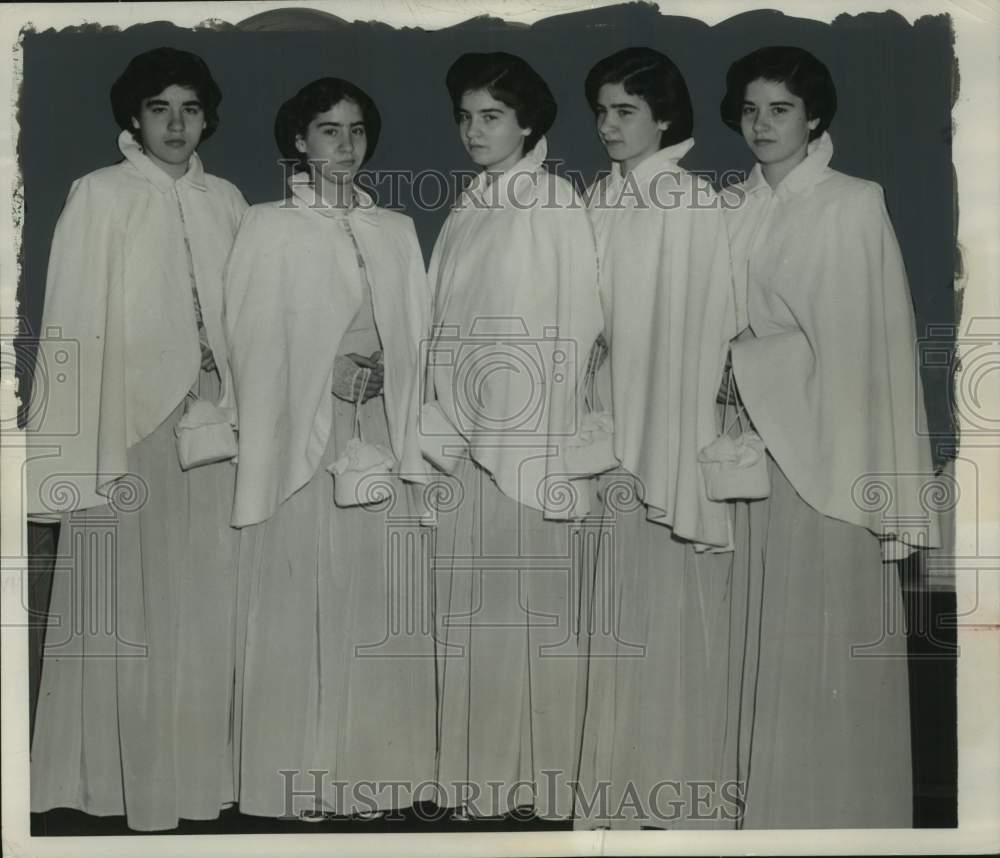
column 318, row 97
column 653, row 77
column 508, row 79
column 152, row 72
column 803, row 75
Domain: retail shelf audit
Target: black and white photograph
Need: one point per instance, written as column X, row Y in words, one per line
column 561, row 428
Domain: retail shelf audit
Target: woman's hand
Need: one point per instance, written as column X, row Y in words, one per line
column 374, row 365
column 348, row 376
column 207, row 358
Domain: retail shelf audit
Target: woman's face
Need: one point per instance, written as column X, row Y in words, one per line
column 626, row 126
column 775, row 125
column 170, row 125
column 335, row 142
column 489, row 131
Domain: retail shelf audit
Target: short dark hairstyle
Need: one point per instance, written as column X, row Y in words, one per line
column 508, row 79
column 803, row 75
column 152, row 72
column 654, row 78
column 318, row 97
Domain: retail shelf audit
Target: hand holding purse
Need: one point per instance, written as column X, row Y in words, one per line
column 735, row 468
column 359, row 474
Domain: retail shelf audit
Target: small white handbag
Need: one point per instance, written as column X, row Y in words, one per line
column 360, row 474
column 735, row 468
column 205, row 434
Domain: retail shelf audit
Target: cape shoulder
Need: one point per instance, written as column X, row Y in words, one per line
column 112, row 179
column 555, row 192
column 394, row 219
column 123, row 179
column 105, row 192
column 834, row 193
column 669, row 183
column 218, row 186
column 833, row 185
column 850, row 209
column 539, row 189
column 98, row 202
column 678, row 189
column 850, row 190
column 270, row 214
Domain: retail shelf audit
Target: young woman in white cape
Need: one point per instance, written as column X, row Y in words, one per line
column 826, row 367
column 134, row 708
column 516, row 313
column 658, row 617
column 326, row 307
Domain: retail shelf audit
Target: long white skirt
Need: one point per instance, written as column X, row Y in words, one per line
column 658, row 736
column 509, row 669
column 134, row 710
column 824, row 695
column 335, row 680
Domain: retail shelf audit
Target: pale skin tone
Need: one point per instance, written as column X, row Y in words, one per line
column 375, row 365
column 776, row 127
column 626, row 126
column 169, row 128
column 335, row 143
column 489, row 131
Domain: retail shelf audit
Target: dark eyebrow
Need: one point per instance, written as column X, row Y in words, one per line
column 339, row 124
column 162, row 102
column 462, row 111
column 624, row 104
column 770, row 103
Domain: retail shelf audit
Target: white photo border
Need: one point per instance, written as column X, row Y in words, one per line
column 976, row 117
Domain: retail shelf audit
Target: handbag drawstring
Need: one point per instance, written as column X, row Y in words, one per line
column 733, row 394
column 591, row 397
column 365, row 375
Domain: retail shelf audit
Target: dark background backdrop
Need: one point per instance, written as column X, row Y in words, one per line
column 895, row 83
column 893, row 125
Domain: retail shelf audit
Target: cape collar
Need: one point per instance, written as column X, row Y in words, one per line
column 645, row 175
column 665, row 160
column 195, row 175
column 362, row 205
column 479, row 194
column 803, row 177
